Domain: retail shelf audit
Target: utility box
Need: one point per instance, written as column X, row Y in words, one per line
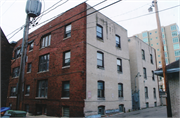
column 33, row 8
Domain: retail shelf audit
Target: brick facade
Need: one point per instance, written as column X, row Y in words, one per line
column 56, row 74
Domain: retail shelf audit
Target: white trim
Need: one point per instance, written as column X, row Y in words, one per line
column 65, row 67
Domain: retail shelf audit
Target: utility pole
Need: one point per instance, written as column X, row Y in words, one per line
column 33, row 9
column 168, row 101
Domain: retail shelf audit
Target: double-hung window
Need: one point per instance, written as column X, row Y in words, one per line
column 100, row 89
column 67, row 31
column 151, row 58
column 13, row 91
column 46, row 41
column 17, row 53
column 31, row 46
column 120, row 90
column 99, row 31
column 66, row 58
column 65, row 89
column 118, row 41
column 119, row 65
column 44, row 63
column 27, row 89
column 100, row 59
column 146, row 92
column 143, row 54
column 15, row 72
column 144, row 72
column 42, row 88
column 29, row 67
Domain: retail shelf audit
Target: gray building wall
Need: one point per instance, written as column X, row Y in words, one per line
column 136, row 65
column 109, row 73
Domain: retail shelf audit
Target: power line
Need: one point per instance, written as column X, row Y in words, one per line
column 9, row 7
column 148, row 14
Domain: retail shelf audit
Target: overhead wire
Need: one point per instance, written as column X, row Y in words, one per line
column 9, row 7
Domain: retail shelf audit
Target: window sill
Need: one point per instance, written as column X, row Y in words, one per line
column 15, row 77
column 102, row 68
column 66, row 38
column 101, row 98
column 26, row 95
column 100, row 39
column 41, row 98
column 65, row 67
column 28, row 72
column 13, row 97
column 44, row 47
column 66, row 98
column 43, row 72
column 118, row 48
column 30, row 50
column 119, row 72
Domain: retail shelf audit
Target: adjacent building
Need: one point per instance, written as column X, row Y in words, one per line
column 144, row 83
column 171, row 39
column 77, row 65
column 6, row 56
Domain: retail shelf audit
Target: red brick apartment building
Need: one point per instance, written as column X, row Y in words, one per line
column 55, row 72
column 77, row 65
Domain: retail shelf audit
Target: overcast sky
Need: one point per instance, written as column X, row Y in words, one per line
column 13, row 14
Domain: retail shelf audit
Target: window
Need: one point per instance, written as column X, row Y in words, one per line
column 119, row 65
column 143, row 54
column 66, row 58
column 65, row 111
column 45, row 41
column 163, row 36
column 31, row 46
column 120, row 90
column 177, row 58
column 147, row 105
column 17, row 53
column 67, row 31
column 175, row 40
column 15, row 72
column 13, row 91
column 158, row 55
column 165, row 54
column 157, row 49
column 101, row 110
column 157, row 43
column 65, row 89
column 29, row 67
column 10, row 104
column 173, row 27
column 145, row 40
column 101, row 89
column 174, row 34
column 155, row 104
column 151, row 58
column 121, row 108
column 145, row 34
column 150, row 33
column 27, row 89
column 27, row 108
column 161, row 87
column 155, row 31
column 159, row 61
column 44, row 63
column 153, row 75
column 162, row 29
column 151, row 44
column 176, row 46
column 166, row 61
column 165, row 48
column 154, row 92
column 144, row 72
column 118, row 41
column 177, row 53
column 160, row 78
column 146, row 92
column 99, row 31
column 156, row 37
column 42, row 88
column 100, row 59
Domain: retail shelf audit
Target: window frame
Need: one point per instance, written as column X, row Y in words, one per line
column 99, row 66
column 101, row 92
column 63, row 113
column 99, row 32
column 40, row 90
column 29, row 66
column 67, row 34
column 122, row 106
column 118, row 45
column 143, row 54
column 144, row 73
column 102, row 108
column 65, row 93
column 44, row 42
column 31, row 46
column 17, row 72
column 28, row 91
column 44, row 63
column 64, row 58
column 153, row 75
column 151, row 58
column 12, row 92
column 154, row 93
column 146, row 92
column 17, row 52
column 120, row 66
column 120, row 91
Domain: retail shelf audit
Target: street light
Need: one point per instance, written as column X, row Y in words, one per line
column 154, row 4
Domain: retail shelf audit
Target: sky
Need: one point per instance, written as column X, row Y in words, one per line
column 133, row 15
